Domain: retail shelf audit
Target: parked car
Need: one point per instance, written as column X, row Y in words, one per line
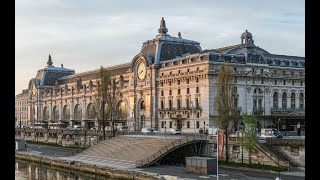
column 146, row 130
column 93, row 128
column 175, row 131
column 124, row 128
column 267, row 135
column 278, row 134
column 153, row 130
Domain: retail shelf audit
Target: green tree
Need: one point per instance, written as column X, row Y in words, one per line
column 248, row 133
column 224, row 106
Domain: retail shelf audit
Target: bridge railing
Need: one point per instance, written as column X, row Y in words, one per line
column 167, row 148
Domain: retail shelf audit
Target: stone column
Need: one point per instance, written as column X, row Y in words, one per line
column 60, row 110
column 50, row 117
column 84, row 113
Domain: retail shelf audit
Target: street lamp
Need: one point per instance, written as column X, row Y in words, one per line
column 278, row 125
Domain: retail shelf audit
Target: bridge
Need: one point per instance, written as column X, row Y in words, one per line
column 131, row 151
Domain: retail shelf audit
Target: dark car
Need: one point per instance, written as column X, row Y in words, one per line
column 278, row 134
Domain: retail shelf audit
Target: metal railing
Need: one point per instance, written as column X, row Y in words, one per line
column 168, row 148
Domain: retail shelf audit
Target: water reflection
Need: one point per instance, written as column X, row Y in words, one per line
column 32, row 171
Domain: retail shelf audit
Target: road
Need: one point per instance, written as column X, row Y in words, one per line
column 52, row 150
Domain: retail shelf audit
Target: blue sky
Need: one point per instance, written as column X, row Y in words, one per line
column 83, row 35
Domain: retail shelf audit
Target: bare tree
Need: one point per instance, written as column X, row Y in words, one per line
column 224, row 105
column 108, row 97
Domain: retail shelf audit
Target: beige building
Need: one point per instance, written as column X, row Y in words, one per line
column 21, row 109
column 170, row 83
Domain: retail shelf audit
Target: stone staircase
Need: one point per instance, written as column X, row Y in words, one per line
column 277, row 156
column 127, row 148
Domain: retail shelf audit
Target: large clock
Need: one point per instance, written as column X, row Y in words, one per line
column 141, row 71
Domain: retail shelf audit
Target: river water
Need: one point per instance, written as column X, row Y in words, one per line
column 25, row 170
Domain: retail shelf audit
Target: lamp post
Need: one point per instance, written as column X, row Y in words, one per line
column 279, row 125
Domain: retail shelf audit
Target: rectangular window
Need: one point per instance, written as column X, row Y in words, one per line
column 301, row 83
column 188, row 91
column 161, row 74
column 169, row 83
column 197, row 89
column 234, row 69
column 259, row 103
column 198, row 124
column 161, row 84
column 284, row 82
column 198, row 115
column 170, row 124
column 178, row 82
column 197, row 103
column 170, row 92
column 178, row 91
column 188, row 115
column 170, row 72
column 262, row 80
column 275, row 82
column 188, row 70
column 178, row 104
column 187, row 103
column 162, row 124
column 292, row 82
column 197, row 68
column 188, row 124
column 161, row 93
column 197, row 80
column 170, row 104
column 179, row 71
column 162, row 105
column 187, row 81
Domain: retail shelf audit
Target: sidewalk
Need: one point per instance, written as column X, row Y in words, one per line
column 300, row 173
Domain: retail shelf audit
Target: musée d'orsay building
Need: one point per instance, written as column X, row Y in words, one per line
column 171, row 83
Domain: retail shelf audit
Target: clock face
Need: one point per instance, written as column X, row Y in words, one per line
column 141, row 71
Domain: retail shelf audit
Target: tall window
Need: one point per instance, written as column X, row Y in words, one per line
column 198, row 124
column 301, row 100
column 178, row 91
column 170, row 104
column 188, row 80
column 162, row 105
column 284, row 82
column 188, row 91
column 197, row 80
column 179, row 80
column 262, row 80
column 161, row 84
column 284, row 100
column 45, row 113
column 293, row 101
column 197, row 103
column 178, row 104
column 187, row 103
column 197, row 89
column 188, row 124
column 170, row 92
column 275, row 100
column 142, row 105
column 292, row 82
column 77, row 112
column 301, row 83
column 162, row 124
column 275, row 82
column 91, row 111
column 66, row 112
column 169, row 83
column 170, row 125
column 161, row 93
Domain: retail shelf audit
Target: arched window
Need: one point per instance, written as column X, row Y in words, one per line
column 284, row 100
column 301, row 101
column 122, row 108
column 77, row 112
column 55, row 113
column 275, row 100
column 293, row 101
column 91, row 111
column 66, row 112
column 142, row 106
column 45, row 113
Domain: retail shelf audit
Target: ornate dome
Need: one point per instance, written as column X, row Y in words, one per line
column 246, row 34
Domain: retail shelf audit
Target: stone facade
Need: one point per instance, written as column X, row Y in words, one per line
column 170, row 83
column 21, row 109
